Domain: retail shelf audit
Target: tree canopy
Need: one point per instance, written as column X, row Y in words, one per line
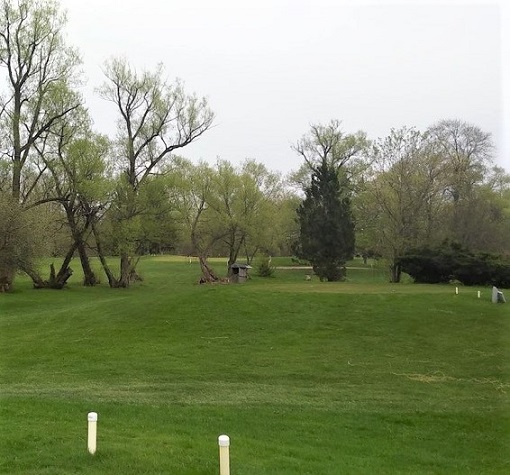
column 68, row 190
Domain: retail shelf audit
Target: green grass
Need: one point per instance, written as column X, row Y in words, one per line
column 305, row 377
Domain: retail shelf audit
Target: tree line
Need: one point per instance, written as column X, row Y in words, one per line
column 67, row 190
column 412, row 189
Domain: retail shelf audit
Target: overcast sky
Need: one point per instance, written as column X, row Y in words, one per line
column 270, row 68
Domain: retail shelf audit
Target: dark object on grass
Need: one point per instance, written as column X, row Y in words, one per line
column 239, row 273
column 450, row 261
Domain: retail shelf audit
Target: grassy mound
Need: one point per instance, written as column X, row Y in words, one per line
column 305, row 377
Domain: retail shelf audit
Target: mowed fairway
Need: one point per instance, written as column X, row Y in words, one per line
column 305, row 377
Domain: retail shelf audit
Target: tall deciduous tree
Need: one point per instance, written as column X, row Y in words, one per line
column 190, row 190
column 39, row 69
column 155, row 119
column 466, row 153
column 399, row 201
column 78, row 168
column 241, row 199
column 329, row 143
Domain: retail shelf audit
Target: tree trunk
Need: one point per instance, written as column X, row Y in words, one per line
column 55, row 281
column 112, row 281
column 78, row 233
column 58, row 281
column 89, row 277
column 233, row 253
column 208, row 274
column 125, row 271
column 250, row 257
column 16, row 135
column 395, row 273
column 6, row 279
column 67, row 260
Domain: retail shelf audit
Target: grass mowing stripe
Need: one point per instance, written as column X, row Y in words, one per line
column 355, row 377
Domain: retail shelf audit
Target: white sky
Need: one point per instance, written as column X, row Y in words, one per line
column 272, row 68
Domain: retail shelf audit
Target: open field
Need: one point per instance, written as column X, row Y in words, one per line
column 305, row 377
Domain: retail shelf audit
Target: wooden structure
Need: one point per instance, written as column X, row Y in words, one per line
column 239, row 273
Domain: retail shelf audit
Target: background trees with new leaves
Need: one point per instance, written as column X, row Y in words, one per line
column 227, row 210
column 423, row 188
column 156, row 118
column 39, row 71
column 70, row 191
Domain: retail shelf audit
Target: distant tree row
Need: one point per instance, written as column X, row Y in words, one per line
column 51, row 155
column 414, row 189
column 66, row 190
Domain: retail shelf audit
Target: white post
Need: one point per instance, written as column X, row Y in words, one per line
column 456, row 291
column 92, row 432
column 479, row 294
column 224, row 443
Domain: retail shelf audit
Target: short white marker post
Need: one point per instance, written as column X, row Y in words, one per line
column 456, row 291
column 479, row 294
column 92, row 432
column 224, row 443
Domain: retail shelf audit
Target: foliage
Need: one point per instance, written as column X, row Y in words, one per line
column 155, row 118
column 264, row 267
column 226, row 210
column 451, row 261
column 394, row 209
column 425, row 187
column 40, row 70
column 329, row 143
column 326, row 227
column 25, row 236
column 409, row 190
column 158, row 228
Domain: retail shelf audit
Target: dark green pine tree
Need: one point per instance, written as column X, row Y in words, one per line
column 326, row 223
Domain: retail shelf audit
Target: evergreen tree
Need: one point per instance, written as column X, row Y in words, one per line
column 326, row 223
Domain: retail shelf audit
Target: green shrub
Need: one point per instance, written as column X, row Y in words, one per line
column 332, row 271
column 451, row 261
column 264, row 267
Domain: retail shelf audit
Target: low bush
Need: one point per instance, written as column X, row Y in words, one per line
column 450, row 261
column 264, row 267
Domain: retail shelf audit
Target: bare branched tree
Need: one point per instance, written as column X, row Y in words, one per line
column 155, row 119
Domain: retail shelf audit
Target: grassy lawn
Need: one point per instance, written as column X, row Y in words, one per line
column 305, row 377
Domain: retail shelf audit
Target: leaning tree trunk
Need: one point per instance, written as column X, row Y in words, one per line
column 112, row 281
column 233, row 253
column 55, row 280
column 58, row 281
column 250, row 256
column 78, row 233
column 208, row 274
column 89, row 277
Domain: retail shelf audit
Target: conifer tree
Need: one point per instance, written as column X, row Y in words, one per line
column 326, row 223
